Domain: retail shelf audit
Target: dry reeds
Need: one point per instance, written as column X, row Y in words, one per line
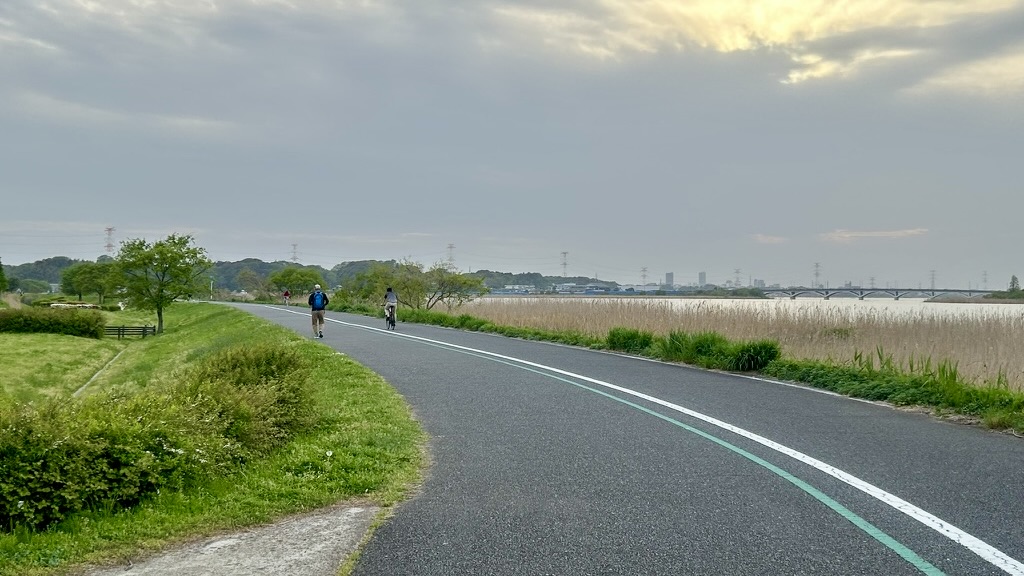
column 986, row 347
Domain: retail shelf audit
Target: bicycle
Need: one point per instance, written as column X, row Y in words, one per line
column 389, row 316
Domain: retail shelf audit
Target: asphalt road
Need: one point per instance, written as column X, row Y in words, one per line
column 549, row 459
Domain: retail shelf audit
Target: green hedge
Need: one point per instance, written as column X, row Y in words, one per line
column 112, row 451
column 70, row 321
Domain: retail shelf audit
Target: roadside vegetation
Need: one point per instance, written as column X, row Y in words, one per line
column 222, row 421
column 909, row 361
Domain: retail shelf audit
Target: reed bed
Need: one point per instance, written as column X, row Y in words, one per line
column 985, row 348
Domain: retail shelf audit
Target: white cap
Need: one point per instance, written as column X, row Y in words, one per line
column 317, row 286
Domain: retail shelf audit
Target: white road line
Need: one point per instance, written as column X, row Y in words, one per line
column 987, row 552
column 984, row 550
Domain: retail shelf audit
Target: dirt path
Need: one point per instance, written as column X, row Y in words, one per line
column 312, row 544
column 12, row 300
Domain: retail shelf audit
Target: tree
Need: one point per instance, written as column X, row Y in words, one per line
column 72, row 279
column 97, row 278
column 249, row 281
column 296, row 279
column 154, row 275
column 1014, row 284
column 416, row 289
column 3, row 279
column 447, row 286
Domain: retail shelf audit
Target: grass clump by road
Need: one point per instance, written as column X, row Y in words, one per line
column 223, row 421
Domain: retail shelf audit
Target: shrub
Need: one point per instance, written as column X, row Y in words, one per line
column 70, row 321
column 675, row 347
column 113, row 451
column 629, row 340
column 750, row 356
column 261, row 393
column 110, row 451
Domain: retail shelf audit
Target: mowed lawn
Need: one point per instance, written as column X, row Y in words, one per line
column 39, row 365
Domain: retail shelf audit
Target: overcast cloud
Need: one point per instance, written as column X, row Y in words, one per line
column 879, row 138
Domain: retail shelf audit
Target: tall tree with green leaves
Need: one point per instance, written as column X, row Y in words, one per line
column 448, row 286
column 154, row 275
column 72, row 279
column 296, row 280
column 1014, row 284
column 3, row 279
column 89, row 278
column 249, row 280
column 416, row 288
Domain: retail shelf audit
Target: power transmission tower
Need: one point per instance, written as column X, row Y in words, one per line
column 737, row 273
column 872, row 282
column 565, row 264
column 932, row 274
column 643, row 277
column 451, row 255
column 295, row 252
column 984, row 280
column 817, row 275
column 110, row 239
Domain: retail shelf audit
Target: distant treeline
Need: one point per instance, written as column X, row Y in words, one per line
column 226, row 275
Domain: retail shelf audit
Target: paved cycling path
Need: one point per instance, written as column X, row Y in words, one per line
column 556, row 460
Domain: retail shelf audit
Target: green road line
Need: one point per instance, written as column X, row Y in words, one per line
column 870, row 529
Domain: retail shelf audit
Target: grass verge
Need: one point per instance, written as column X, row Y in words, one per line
column 361, row 443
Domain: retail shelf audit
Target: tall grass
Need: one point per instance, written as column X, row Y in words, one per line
column 985, row 350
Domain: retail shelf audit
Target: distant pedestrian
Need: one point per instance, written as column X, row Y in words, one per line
column 287, row 297
column 317, row 303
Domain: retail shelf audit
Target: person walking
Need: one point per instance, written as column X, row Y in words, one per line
column 317, row 303
column 287, row 297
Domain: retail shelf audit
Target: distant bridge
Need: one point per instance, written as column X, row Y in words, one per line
column 861, row 293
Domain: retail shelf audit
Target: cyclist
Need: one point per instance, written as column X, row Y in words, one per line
column 390, row 303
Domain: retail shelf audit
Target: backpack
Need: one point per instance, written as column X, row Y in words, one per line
column 318, row 300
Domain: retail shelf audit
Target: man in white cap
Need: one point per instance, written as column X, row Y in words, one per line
column 317, row 303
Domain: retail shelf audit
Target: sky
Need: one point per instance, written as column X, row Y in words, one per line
column 877, row 142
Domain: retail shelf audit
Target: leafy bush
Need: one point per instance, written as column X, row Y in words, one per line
column 111, row 451
column 64, row 456
column 70, row 321
column 261, row 393
column 629, row 340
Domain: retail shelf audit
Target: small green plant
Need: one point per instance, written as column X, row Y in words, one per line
column 629, row 340
column 751, row 356
column 675, row 347
column 709, row 349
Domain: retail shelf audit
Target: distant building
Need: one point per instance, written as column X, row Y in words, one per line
column 670, row 279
